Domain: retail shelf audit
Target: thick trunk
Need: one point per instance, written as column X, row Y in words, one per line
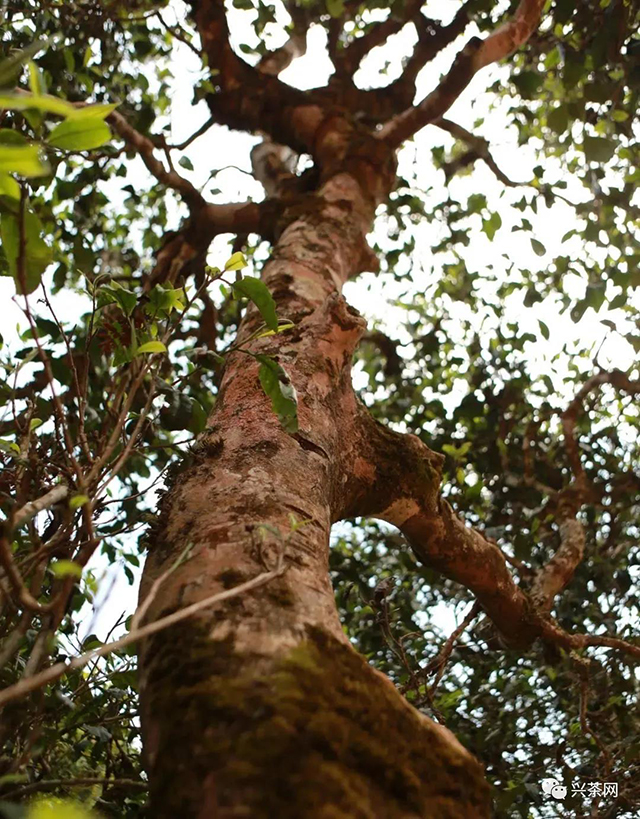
column 260, row 707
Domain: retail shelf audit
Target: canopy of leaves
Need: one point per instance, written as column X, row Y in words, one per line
column 495, row 320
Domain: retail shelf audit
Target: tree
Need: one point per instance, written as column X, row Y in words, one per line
column 519, row 499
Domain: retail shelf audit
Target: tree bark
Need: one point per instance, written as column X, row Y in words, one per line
column 261, row 707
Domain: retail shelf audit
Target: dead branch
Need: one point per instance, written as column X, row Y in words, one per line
column 439, row 662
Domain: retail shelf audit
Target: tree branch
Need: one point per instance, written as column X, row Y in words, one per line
column 619, row 380
column 474, row 56
column 55, row 672
column 348, row 60
column 145, row 148
column 79, row 782
column 407, row 474
column 274, row 62
column 558, row 572
column 31, row 509
column 478, row 145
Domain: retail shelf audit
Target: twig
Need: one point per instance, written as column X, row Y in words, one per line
column 153, row 591
column 145, row 148
column 79, row 782
column 439, row 662
column 55, row 672
column 32, row 508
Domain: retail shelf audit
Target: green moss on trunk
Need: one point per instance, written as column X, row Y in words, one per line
column 314, row 734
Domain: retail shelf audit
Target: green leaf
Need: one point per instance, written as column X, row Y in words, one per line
column 99, row 110
column 76, row 501
column 278, row 387
column 34, row 423
column 36, row 80
column 9, row 187
column 151, row 347
column 457, row 452
column 185, row 162
column 598, row 149
column 66, row 568
column 558, row 119
column 36, row 253
column 41, row 102
column 80, row 134
column 538, row 248
column 236, row 262
column 259, row 294
column 117, row 294
column 10, row 67
column 544, row 329
column 491, row 225
column 54, row 808
column 164, row 300
column 22, row 159
column 335, row 7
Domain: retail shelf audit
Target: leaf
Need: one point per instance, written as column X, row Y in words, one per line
column 34, row 423
column 117, row 294
column 457, row 452
column 76, row 501
column 258, row 292
column 164, row 300
column 37, row 254
column 22, row 159
column 80, row 134
column 41, row 102
column 99, row 732
column 236, row 262
column 66, row 568
column 9, row 187
column 598, row 149
column 54, row 808
column 278, row 387
column 544, row 329
column 185, row 162
column 335, row 7
column 151, row 347
column 558, row 119
column 99, row 110
column 538, row 248
column 10, row 67
column 491, row 225
column 36, row 79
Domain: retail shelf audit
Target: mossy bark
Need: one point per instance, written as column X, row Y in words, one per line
column 313, row 733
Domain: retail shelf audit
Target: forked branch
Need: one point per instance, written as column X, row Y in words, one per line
column 474, row 56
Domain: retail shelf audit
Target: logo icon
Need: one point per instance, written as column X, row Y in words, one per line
column 553, row 787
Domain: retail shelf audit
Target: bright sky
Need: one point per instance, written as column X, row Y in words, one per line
column 373, row 296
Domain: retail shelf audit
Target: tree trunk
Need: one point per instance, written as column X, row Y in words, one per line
column 260, row 707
